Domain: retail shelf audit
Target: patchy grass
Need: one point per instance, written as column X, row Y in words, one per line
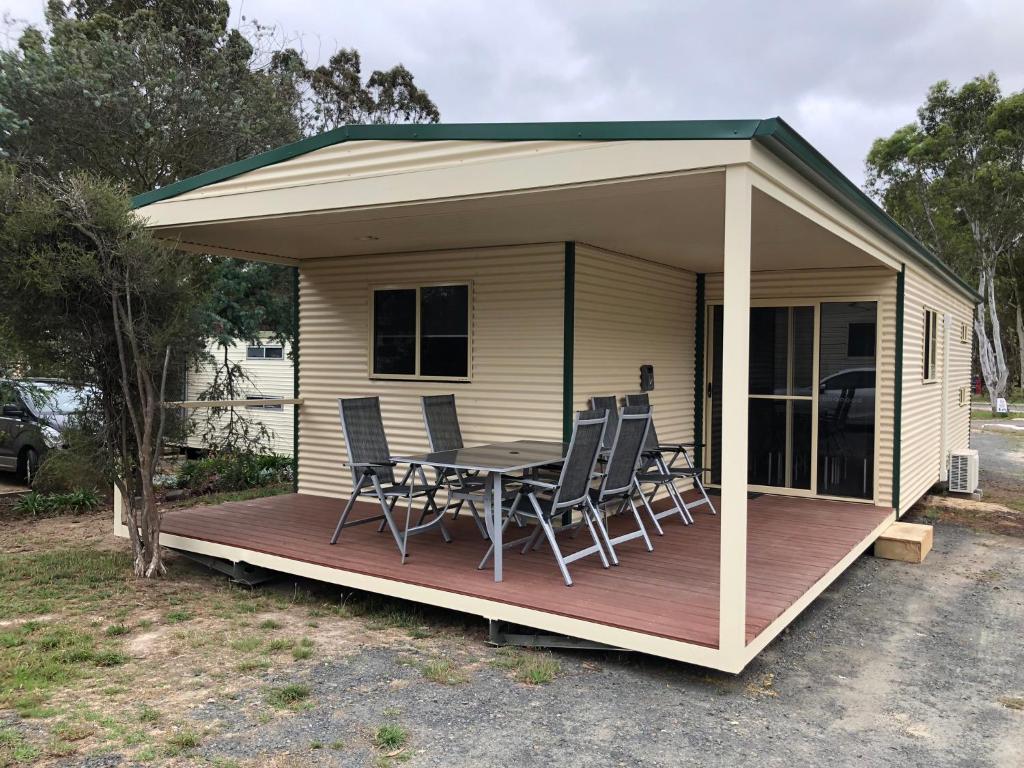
column 181, row 742
column 41, row 583
column 286, row 696
column 390, row 737
column 270, row 624
column 247, row 644
column 178, row 615
column 530, row 667
column 148, row 714
column 443, row 671
column 260, row 664
column 116, row 630
column 280, row 644
column 15, row 749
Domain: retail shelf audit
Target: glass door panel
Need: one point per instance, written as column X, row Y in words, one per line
column 846, row 399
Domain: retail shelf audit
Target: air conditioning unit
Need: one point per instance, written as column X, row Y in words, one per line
column 963, row 471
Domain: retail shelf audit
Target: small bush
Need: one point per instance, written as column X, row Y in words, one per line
column 233, row 472
column 76, row 466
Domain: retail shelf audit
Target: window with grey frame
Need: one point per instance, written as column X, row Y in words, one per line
column 421, row 332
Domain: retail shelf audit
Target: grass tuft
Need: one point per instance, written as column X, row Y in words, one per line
column 270, row 624
column 287, row 695
column 390, row 737
column 443, row 671
column 532, row 668
column 181, row 742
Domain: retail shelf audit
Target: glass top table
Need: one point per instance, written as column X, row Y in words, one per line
column 495, row 460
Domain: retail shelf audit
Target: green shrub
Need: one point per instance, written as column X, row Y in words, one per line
column 35, row 503
column 73, row 467
column 234, row 472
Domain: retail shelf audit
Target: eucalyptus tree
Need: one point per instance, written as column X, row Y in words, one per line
column 955, row 179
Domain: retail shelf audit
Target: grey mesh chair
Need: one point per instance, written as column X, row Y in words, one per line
column 549, row 501
column 608, row 403
column 618, row 482
column 373, row 474
column 659, row 472
column 444, row 434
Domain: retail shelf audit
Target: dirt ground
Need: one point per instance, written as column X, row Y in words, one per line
column 895, row 664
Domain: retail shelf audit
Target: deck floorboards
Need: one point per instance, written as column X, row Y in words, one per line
column 671, row 592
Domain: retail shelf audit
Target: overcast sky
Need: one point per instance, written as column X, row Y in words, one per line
column 842, row 72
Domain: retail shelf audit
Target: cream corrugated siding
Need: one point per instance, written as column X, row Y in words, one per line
column 267, row 378
column 517, row 326
column 630, row 312
column 869, row 283
column 360, row 159
column 921, row 445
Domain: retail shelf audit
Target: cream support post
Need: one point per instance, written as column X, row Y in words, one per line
column 732, row 596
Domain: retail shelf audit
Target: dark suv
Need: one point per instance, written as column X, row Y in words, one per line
column 32, row 416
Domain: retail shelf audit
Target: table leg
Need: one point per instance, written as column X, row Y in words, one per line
column 493, row 495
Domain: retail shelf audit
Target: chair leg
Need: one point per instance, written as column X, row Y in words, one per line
column 348, row 509
column 475, row 514
column 490, row 549
column 647, row 506
column 640, row 525
column 550, row 534
column 389, row 520
column 600, row 536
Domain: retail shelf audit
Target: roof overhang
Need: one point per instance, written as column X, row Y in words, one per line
column 652, row 189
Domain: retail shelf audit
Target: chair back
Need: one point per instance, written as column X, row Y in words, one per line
column 641, row 398
column 628, row 444
column 442, row 422
column 581, row 458
column 608, row 403
column 364, row 436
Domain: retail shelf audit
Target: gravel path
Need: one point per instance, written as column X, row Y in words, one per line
column 895, row 664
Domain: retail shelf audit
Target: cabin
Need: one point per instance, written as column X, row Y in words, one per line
column 816, row 354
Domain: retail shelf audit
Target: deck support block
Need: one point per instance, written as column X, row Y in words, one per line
column 907, row 542
column 732, row 591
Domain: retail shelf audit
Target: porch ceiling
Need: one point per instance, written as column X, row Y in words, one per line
column 676, row 220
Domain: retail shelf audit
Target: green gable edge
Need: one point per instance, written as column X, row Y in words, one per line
column 774, row 134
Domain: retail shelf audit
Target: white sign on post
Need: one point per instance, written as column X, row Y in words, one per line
column 1001, row 405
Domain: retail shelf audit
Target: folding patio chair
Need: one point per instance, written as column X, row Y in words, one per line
column 373, row 474
column 608, row 403
column 443, row 432
column 618, row 482
column 549, row 501
column 659, row 472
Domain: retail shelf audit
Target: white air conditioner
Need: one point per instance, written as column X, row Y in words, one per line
column 963, row 471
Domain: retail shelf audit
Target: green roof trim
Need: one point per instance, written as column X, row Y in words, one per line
column 774, row 134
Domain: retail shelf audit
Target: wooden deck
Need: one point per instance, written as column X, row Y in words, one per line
column 671, row 592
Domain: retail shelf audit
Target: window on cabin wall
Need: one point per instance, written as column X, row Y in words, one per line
column 421, row 332
column 931, row 336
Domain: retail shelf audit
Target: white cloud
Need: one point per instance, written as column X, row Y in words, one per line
column 842, row 73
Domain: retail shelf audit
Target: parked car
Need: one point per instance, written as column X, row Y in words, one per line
column 33, row 416
column 855, row 386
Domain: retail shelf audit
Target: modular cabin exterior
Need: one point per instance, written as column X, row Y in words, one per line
column 811, row 348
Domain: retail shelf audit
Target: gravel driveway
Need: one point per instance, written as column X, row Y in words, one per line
column 895, row 665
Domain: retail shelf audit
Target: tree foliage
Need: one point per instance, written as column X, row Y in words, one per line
column 955, row 179
column 91, row 290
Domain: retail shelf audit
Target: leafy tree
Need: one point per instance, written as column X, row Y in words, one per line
column 335, row 94
column 90, row 290
column 955, row 179
column 142, row 93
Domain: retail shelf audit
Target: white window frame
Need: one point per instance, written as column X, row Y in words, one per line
column 929, row 347
column 265, row 407
column 418, row 287
column 263, row 350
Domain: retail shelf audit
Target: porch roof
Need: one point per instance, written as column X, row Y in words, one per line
column 773, row 134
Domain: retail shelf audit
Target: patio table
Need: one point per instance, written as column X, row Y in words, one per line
column 495, row 460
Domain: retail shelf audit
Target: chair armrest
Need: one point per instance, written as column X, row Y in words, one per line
column 369, row 464
column 537, row 483
column 677, row 446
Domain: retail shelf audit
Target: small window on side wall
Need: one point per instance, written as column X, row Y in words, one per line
column 421, row 332
column 931, row 336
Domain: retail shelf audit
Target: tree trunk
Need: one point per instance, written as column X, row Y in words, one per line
column 1020, row 333
column 990, row 352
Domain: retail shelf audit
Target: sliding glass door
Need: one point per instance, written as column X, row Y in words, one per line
column 810, row 398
